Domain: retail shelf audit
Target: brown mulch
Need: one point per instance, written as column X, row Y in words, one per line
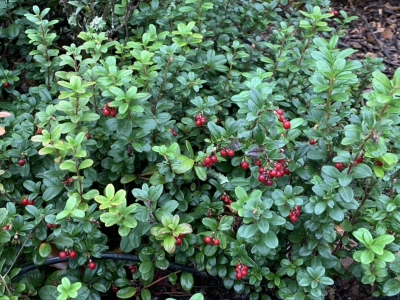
column 376, row 32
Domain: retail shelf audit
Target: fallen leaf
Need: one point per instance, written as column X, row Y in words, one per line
column 387, row 34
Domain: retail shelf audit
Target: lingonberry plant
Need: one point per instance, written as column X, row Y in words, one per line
column 233, row 139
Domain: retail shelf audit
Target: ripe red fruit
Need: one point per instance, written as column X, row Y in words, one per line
column 312, row 142
column 214, row 159
column 244, row 273
column 262, row 178
column 173, row 132
column 207, row 160
column 115, row 289
column 207, row 240
column 73, row 254
column 107, row 104
column 278, row 166
column 106, row 112
column 88, row 136
column 203, row 120
column 223, row 153
column 279, row 112
column 62, row 255
column 258, row 162
column 244, row 165
column 360, row 159
column 92, row 265
column 24, row 202
column 335, row 13
column 286, row 125
column 31, row 202
column 39, row 131
column 7, row 85
column 113, row 112
column 216, row 242
column 22, row 162
column 197, row 117
column 293, row 218
column 379, row 163
column 198, row 123
column 49, row 225
column 339, row 166
column 230, row 152
column 178, row 241
column 239, row 276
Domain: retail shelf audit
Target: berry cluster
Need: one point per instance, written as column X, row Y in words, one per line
column 109, row 111
column 340, row 166
column 241, row 271
column 266, row 175
column 209, row 161
column 26, row 202
column 295, row 214
column 226, row 199
column 173, row 132
column 227, row 152
column 285, row 123
column 178, row 239
column 68, row 253
column 200, row 120
column 209, row 240
column 92, row 265
column 54, row 226
column 133, row 269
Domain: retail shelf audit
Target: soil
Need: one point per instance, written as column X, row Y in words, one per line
column 376, row 32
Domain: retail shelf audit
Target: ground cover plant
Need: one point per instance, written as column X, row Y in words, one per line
column 231, row 138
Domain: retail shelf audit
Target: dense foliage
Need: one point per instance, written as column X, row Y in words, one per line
column 233, row 137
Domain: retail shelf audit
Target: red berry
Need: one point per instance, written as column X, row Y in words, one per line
column 88, row 136
column 106, row 112
column 312, row 142
column 49, row 225
column 62, row 255
column 207, row 240
column 244, row 273
column 113, row 112
column 245, row 267
column 197, row 117
column 24, row 202
column 278, row 166
column 7, row 85
column 54, row 226
column 281, row 119
column 198, row 123
column 258, row 162
column 293, row 218
column 214, row 159
column 31, row 202
column 360, row 159
column 39, row 131
column 286, row 171
column 107, row 104
column 269, row 182
column 239, row 276
column 244, row 165
column 173, row 132
column 207, row 160
column 178, row 241
column 73, row 254
column 286, row 125
column 115, row 289
column 379, row 163
column 203, row 120
column 92, row 265
column 230, row 152
column 22, row 162
column 279, row 112
column 223, row 153
column 335, row 13
column 339, row 166
column 262, row 178
column 273, row 173
column 216, row 242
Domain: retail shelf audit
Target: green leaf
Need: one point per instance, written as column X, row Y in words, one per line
column 68, row 165
column 85, row 164
column 367, row 256
column 44, row 250
column 391, row 287
column 361, row 171
column 126, row 293
column 346, row 193
column 201, row 173
column 182, row 164
column 3, row 215
column 217, row 131
column 187, row 281
column 210, row 223
column 383, row 240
